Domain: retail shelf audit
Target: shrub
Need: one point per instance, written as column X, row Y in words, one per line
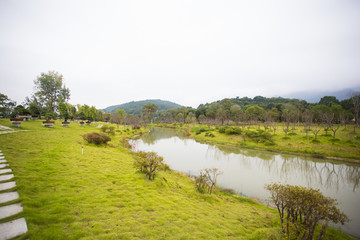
column 96, row 138
column 259, row 136
column 207, row 179
column 209, row 134
column 108, row 130
column 199, row 130
column 301, row 209
column 148, row 163
column 136, row 127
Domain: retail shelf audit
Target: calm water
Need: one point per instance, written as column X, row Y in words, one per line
column 247, row 171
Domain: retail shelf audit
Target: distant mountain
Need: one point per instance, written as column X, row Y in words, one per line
column 135, row 107
column 315, row 96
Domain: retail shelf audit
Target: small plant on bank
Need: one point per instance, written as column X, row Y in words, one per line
column 96, row 138
column 148, row 163
column 207, row 179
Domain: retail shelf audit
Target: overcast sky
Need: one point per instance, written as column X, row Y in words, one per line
column 188, row 52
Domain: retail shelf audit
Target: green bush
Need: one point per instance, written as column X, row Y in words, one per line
column 209, row 134
column 198, row 130
column 230, row 130
column 148, row 163
column 259, row 136
column 96, row 138
column 108, row 130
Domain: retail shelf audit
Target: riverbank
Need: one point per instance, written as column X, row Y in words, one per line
column 100, row 195
column 345, row 147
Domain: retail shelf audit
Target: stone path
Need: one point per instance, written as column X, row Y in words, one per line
column 5, row 130
column 14, row 227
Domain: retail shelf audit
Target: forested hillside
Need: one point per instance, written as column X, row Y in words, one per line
column 135, row 107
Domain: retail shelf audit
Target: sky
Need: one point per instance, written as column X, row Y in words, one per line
column 189, row 52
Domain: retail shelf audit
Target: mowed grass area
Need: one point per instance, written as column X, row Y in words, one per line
column 345, row 146
column 99, row 195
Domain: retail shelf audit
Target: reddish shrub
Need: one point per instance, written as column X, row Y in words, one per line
column 97, row 138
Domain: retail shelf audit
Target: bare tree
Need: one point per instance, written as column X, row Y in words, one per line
column 356, row 101
column 210, row 175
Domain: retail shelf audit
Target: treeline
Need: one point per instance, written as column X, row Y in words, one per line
column 50, row 101
column 262, row 109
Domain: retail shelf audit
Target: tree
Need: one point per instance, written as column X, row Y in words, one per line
column 255, row 113
column 6, row 105
column 20, row 110
column 51, row 90
column 64, row 110
column 208, row 177
column 148, row 110
column 118, row 117
column 356, row 102
column 34, row 109
column 148, row 163
column 303, row 209
column 329, row 100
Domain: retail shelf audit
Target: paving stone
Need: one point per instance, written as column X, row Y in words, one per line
column 3, row 161
column 4, row 165
column 6, row 177
column 7, row 185
column 5, row 170
column 1, row 154
column 9, row 196
column 13, row 229
column 2, row 157
column 9, row 210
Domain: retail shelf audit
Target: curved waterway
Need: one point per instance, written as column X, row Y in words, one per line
column 247, row 171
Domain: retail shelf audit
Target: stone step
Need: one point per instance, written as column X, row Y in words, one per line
column 5, row 170
column 3, row 161
column 9, row 210
column 6, row 177
column 13, row 229
column 4, row 165
column 9, row 196
column 7, row 185
column 2, row 157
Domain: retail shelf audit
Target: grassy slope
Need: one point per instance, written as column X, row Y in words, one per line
column 346, row 147
column 99, row 195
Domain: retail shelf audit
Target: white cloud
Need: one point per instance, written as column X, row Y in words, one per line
column 187, row 51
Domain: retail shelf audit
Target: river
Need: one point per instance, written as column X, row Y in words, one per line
column 247, row 171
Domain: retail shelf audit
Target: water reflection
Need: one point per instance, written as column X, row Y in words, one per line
column 247, row 171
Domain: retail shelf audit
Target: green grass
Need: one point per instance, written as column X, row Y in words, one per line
column 99, row 195
column 346, row 145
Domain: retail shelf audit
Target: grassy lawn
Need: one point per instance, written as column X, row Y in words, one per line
column 99, row 194
column 345, row 146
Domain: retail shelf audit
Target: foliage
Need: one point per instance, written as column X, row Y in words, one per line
column 135, row 107
column 198, row 130
column 20, row 110
column 230, row 130
column 51, row 90
column 148, row 111
column 207, row 179
column 6, row 105
column 301, row 209
column 109, row 130
column 258, row 135
column 96, row 138
column 148, row 163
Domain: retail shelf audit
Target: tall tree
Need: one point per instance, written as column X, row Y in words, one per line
column 6, row 105
column 148, row 110
column 51, row 90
